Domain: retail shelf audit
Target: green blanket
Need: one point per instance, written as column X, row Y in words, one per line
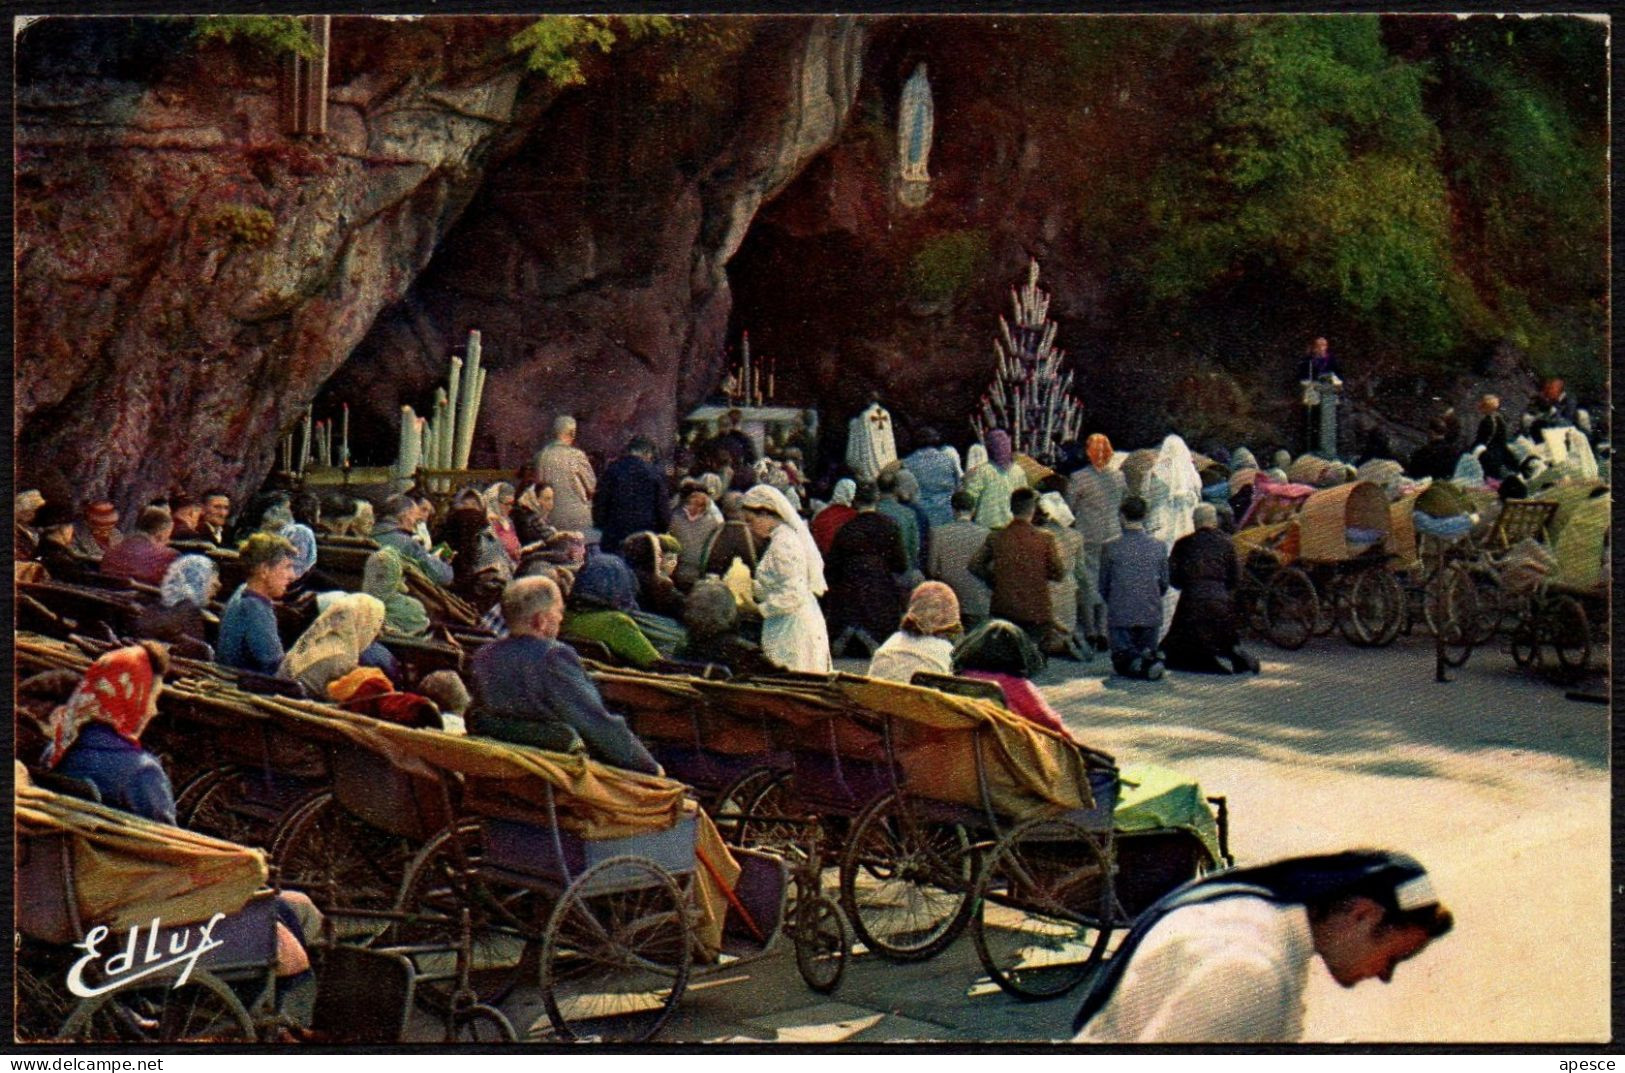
column 1155, row 799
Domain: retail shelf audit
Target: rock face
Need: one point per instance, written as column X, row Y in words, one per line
column 187, row 275
column 593, row 260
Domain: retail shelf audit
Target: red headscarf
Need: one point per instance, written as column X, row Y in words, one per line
column 119, row 689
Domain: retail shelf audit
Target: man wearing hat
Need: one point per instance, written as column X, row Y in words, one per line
column 97, row 533
column 1226, row 959
column 56, row 547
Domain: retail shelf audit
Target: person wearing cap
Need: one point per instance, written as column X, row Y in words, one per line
column 58, row 553
column 925, row 640
column 1133, row 582
column 788, row 582
column 1204, row 636
column 97, row 532
column 1226, row 958
column 248, row 633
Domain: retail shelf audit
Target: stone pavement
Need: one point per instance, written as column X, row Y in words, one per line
column 1495, row 781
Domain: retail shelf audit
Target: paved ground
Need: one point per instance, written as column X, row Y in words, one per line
column 1495, row 781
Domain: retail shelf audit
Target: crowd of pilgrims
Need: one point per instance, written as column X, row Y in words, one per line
column 983, row 566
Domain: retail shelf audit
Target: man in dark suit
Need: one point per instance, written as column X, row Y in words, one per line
column 631, row 496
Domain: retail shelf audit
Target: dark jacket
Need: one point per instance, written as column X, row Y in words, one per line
column 1018, row 562
column 631, row 498
column 1436, row 459
column 1203, row 566
column 126, row 775
column 63, row 563
column 864, row 560
column 527, row 689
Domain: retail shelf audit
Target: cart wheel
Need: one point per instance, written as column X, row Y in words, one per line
column 733, row 805
column 339, row 861
column 770, row 821
column 1569, row 632
column 1372, row 611
column 1045, row 906
column 215, row 812
column 482, row 1024
column 1451, row 607
column 616, row 953
column 1494, row 614
column 41, row 1007
column 436, row 889
column 906, row 886
column 1290, row 607
column 201, row 1010
column 1525, row 643
column 822, row 940
column 186, row 801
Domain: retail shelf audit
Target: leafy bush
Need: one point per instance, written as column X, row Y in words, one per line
column 275, row 35
column 554, row 44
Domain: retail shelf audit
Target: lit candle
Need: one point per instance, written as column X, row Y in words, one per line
column 344, row 443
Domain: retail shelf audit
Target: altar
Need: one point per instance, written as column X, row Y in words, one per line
column 755, row 421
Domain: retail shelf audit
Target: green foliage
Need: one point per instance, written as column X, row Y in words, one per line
column 945, row 265
column 554, row 45
column 242, row 225
column 1316, row 164
column 275, row 35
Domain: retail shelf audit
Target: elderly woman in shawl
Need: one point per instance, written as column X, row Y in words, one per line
column 384, row 579
column 333, row 645
column 925, row 640
column 827, row 522
column 788, row 582
column 600, row 607
column 992, row 481
column 177, row 618
column 499, row 501
column 96, row 735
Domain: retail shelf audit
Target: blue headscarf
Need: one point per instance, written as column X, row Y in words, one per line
column 304, row 546
column 187, row 581
column 606, row 581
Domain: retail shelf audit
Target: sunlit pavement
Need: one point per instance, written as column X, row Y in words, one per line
column 1495, row 781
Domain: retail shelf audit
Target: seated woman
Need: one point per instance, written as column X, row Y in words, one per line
column 924, row 641
column 1001, row 652
column 333, row 645
column 647, row 555
column 384, row 579
column 499, row 504
column 56, row 551
column 597, row 610
column 96, row 736
column 480, row 566
column 177, row 618
column 711, row 615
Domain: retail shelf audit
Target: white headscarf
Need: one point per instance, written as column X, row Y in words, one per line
column 1181, row 486
column 953, row 453
column 974, row 457
column 766, row 497
column 1056, row 510
column 845, row 489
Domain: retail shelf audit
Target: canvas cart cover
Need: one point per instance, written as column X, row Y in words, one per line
column 691, row 712
column 127, row 870
column 1582, row 544
column 1155, row 799
column 1029, row 769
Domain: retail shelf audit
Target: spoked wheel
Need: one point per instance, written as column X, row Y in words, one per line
column 1494, row 614
column 482, row 1024
column 1372, row 608
column 772, row 816
column 616, row 953
column 734, row 803
column 443, row 880
column 1526, row 642
column 339, row 861
column 1290, row 607
column 194, row 789
column 220, row 809
column 822, row 939
column 1569, row 631
column 1045, row 909
column 202, row 1010
column 906, row 886
column 1451, row 608
column 43, row 1004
